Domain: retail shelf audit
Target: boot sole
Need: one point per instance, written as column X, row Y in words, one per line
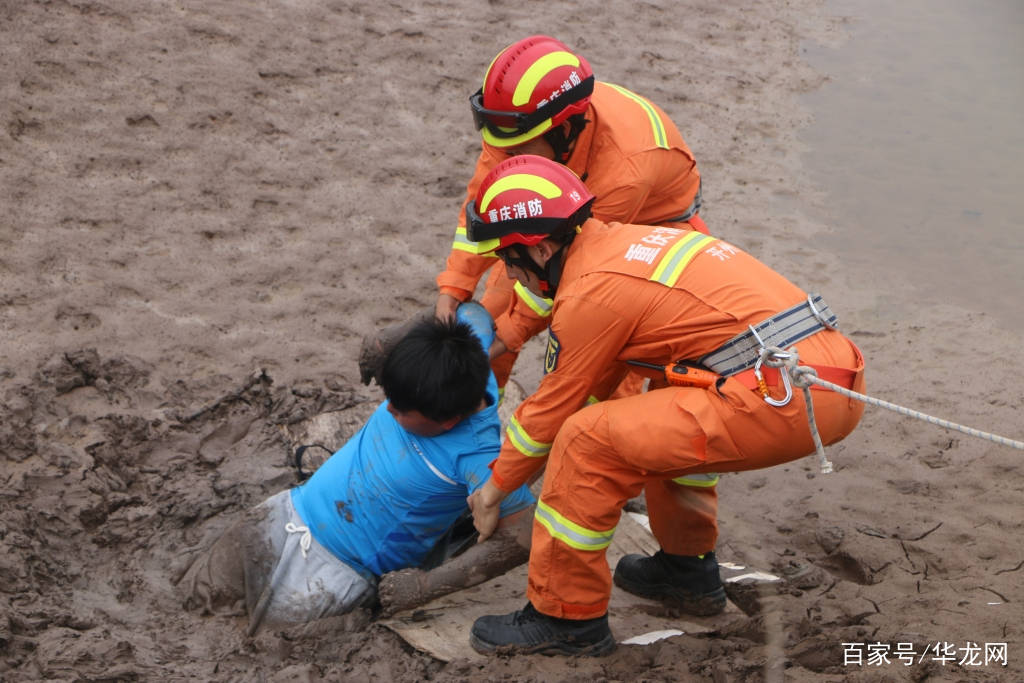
column 706, row 605
column 598, row 649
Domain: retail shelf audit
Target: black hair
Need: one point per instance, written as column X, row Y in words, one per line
column 439, row 369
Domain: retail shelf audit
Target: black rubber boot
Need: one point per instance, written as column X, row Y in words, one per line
column 690, row 584
column 527, row 631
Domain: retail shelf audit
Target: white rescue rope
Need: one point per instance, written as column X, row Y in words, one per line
column 804, row 376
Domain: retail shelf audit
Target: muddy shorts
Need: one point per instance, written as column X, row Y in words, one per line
column 271, row 561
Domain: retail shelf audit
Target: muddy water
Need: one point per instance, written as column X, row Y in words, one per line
column 918, row 140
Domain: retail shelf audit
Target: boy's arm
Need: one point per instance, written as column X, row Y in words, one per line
column 508, row 548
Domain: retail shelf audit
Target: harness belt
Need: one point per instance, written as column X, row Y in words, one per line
column 782, row 330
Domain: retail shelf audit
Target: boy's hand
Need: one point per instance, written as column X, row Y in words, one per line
column 402, row 590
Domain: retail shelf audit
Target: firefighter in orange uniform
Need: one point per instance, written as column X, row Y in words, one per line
column 636, row 293
column 538, row 97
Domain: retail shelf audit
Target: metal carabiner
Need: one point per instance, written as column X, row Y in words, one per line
column 776, row 355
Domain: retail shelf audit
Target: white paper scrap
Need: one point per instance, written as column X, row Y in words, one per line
column 756, row 576
column 652, row 637
column 730, row 565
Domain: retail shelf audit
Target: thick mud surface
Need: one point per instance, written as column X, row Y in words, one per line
column 207, row 204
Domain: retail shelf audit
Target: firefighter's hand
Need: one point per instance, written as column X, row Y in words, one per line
column 497, row 348
column 485, row 503
column 445, row 307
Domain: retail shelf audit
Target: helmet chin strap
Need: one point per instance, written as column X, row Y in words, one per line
column 561, row 141
column 548, row 275
column 525, row 261
column 553, row 267
column 553, row 271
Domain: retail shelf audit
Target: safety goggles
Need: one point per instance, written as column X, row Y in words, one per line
column 515, row 123
column 515, row 255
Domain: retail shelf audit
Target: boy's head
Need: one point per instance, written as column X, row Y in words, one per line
column 435, row 376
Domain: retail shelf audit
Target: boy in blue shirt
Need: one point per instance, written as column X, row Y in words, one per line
column 381, row 502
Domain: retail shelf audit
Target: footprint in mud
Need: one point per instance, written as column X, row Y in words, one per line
column 829, row 538
column 844, row 566
column 214, row 446
column 910, row 487
column 801, row 574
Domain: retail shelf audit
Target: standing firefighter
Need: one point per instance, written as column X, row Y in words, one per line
column 538, row 97
column 657, row 295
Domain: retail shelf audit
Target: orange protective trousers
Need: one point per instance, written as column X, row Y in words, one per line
column 609, row 452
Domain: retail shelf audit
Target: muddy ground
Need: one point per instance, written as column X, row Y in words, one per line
column 206, row 204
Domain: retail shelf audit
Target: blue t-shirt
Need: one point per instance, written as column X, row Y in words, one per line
column 383, row 501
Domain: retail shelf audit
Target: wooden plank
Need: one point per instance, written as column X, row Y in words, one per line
column 441, row 628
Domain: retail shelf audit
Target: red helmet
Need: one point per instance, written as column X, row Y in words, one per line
column 524, row 199
column 531, row 87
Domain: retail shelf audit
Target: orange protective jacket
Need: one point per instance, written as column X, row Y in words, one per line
column 647, row 293
column 631, row 157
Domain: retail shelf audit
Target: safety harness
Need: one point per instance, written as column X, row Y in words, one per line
column 782, row 330
column 753, row 356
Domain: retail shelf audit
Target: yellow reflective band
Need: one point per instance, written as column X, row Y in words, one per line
column 679, row 256
column 570, row 533
column 537, row 71
column 537, row 304
column 494, row 141
column 698, row 480
column 485, row 248
column 657, row 126
column 522, row 441
column 520, row 181
column 591, row 400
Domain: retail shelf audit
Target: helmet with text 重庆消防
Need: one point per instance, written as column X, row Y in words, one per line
column 531, row 87
column 525, row 199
